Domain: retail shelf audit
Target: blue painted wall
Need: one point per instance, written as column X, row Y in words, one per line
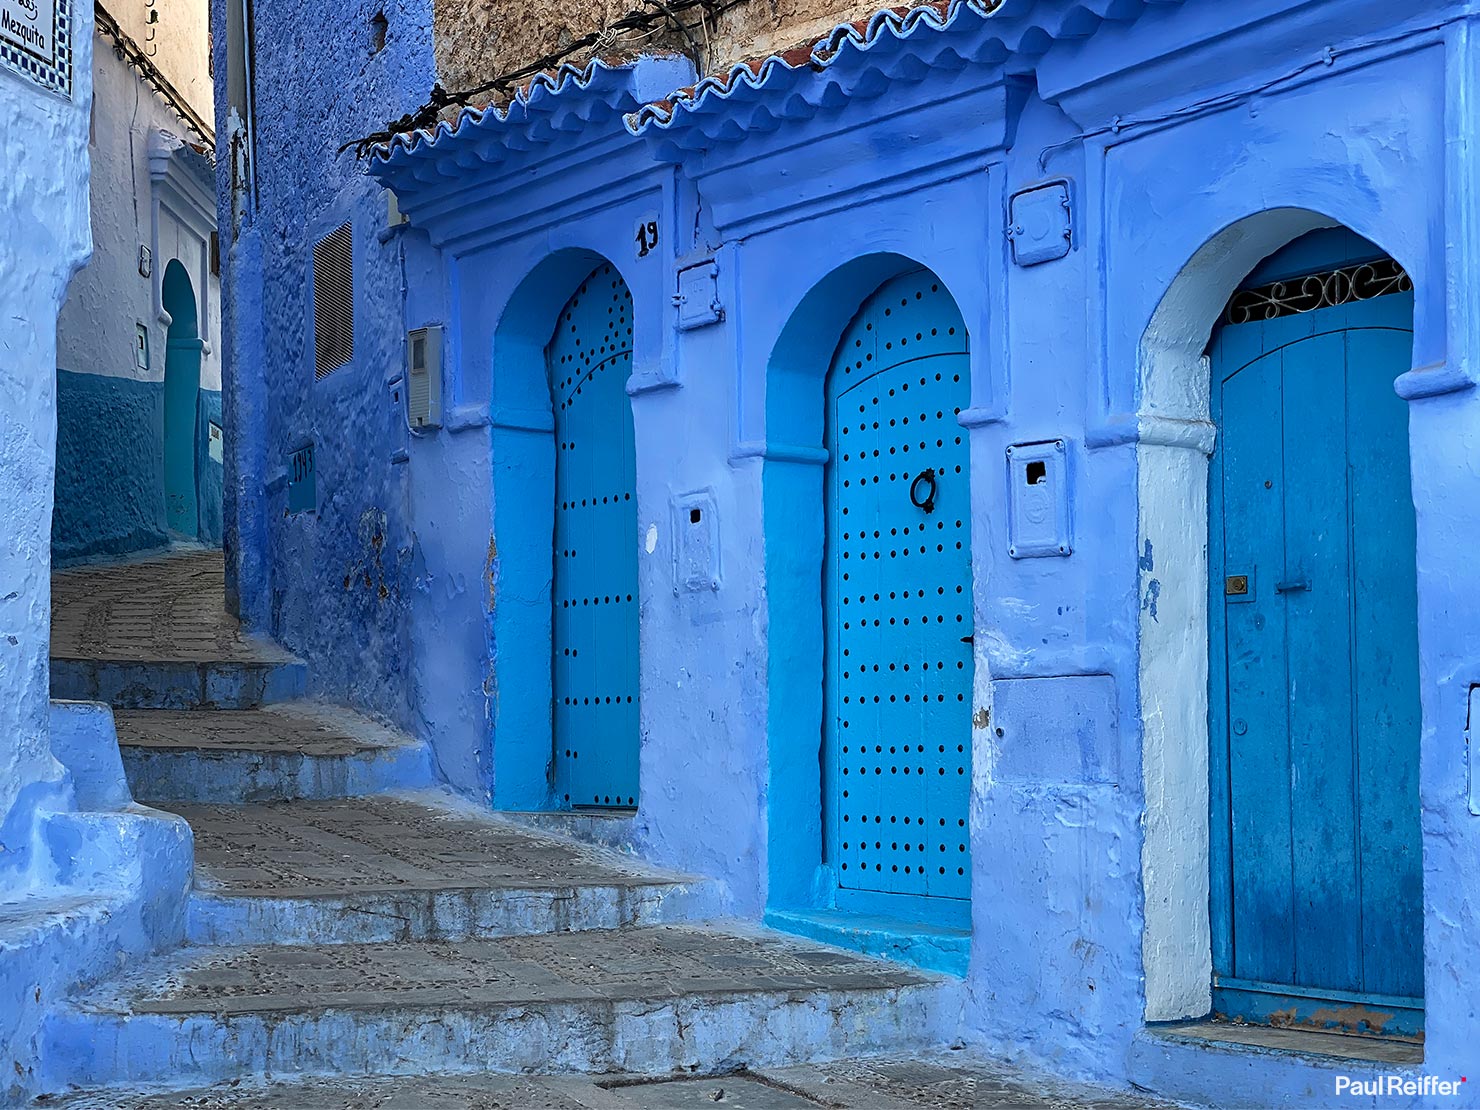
column 333, row 583
column 1089, row 803
column 110, row 467
column 91, row 882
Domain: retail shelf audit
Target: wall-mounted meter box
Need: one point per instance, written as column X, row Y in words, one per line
column 1038, row 500
column 424, row 378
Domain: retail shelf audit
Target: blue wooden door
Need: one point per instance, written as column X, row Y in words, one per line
column 898, row 606
column 1317, row 878
column 595, row 594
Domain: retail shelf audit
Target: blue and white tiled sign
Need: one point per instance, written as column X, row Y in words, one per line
column 36, row 41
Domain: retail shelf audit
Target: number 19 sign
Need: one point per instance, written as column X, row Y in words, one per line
column 36, row 41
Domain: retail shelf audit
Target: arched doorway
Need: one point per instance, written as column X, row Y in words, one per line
column 1314, row 719
column 595, row 602
column 181, row 395
column 898, row 607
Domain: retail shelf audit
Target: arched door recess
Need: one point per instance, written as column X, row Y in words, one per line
column 595, row 617
column 1314, row 714
column 898, row 607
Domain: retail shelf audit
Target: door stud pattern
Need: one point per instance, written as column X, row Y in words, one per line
column 899, row 596
column 595, row 625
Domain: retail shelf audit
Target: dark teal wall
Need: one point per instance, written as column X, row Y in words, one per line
column 110, row 467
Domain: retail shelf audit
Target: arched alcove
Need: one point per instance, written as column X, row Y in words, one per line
column 525, row 452
column 1177, row 624
column 806, row 601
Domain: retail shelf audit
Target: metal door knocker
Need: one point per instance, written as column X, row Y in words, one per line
column 927, row 501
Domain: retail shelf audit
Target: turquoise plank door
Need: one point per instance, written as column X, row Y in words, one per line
column 1317, row 895
column 898, row 608
column 595, row 594
column 181, row 395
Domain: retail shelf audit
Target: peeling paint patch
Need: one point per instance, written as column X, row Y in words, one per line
column 1153, row 593
column 490, row 575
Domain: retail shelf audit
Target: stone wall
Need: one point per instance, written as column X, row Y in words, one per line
column 480, row 39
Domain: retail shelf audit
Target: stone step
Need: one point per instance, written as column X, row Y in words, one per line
column 154, row 633
column 276, row 753
column 178, row 683
column 948, row 1081
column 412, row 867
column 651, row 1000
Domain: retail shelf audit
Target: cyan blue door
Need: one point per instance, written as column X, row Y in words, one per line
column 1317, row 877
column 595, row 595
column 899, row 612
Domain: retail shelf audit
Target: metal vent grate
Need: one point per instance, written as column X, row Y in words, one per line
column 334, row 301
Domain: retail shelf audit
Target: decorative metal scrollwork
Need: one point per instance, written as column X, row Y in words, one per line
column 1362, row 282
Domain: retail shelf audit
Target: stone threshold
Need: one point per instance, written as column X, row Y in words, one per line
column 1399, row 1051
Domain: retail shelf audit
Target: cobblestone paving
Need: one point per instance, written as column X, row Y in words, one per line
column 889, row 1084
column 306, row 849
column 171, row 608
column 653, row 963
column 293, row 727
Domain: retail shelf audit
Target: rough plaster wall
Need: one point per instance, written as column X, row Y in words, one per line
column 478, row 39
column 110, row 467
column 43, row 206
column 329, row 584
column 178, row 43
column 760, row 27
column 109, row 299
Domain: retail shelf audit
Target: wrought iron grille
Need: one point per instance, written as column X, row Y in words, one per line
column 1361, row 282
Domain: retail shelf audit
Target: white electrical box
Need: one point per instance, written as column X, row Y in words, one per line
column 424, row 378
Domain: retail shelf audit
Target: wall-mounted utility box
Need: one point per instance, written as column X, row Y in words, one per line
column 424, row 378
column 1039, row 224
column 698, row 296
column 1038, row 498
column 695, row 543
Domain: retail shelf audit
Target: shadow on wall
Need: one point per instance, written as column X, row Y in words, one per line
column 137, row 463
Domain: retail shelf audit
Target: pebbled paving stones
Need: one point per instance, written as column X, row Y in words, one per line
column 296, row 728
column 318, row 849
column 958, row 1082
column 169, row 608
column 650, row 964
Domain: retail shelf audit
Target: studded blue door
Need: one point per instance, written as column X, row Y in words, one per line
column 898, row 606
column 595, row 595
column 1317, row 876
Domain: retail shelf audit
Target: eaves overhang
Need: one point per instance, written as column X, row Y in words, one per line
column 865, row 60
column 553, row 107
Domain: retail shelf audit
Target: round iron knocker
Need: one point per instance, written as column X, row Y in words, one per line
column 925, row 478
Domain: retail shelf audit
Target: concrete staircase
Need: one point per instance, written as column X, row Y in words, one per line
column 350, row 918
